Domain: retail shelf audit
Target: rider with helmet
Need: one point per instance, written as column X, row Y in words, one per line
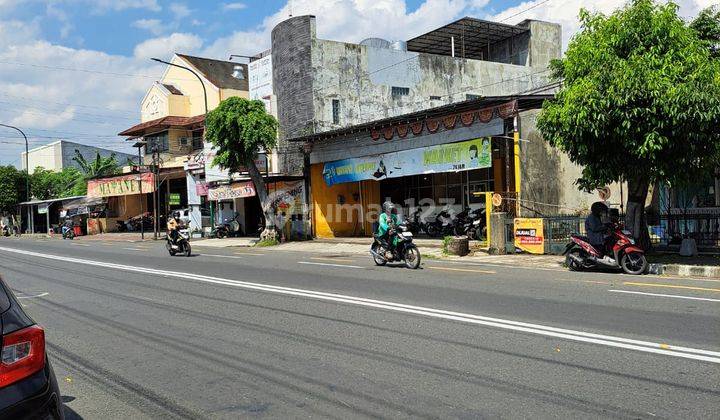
column 173, row 225
column 595, row 228
column 387, row 223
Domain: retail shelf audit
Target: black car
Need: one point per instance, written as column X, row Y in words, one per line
column 28, row 388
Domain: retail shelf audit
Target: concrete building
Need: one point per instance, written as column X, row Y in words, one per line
column 324, row 85
column 58, row 155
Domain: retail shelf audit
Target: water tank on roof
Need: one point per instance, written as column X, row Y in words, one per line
column 375, row 42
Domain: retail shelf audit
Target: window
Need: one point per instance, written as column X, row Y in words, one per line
column 336, row 111
column 435, row 98
column 470, row 96
column 197, row 142
column 160, row 140
column 398, row 92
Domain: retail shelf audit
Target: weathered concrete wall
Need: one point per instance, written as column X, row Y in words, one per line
column 545, row 42
column 293, row 85
column 548, row 176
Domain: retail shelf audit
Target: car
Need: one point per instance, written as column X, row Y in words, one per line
column 28, row 387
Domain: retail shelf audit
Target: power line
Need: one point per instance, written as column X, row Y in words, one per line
column 525, row 10
column 124, row 111
column 81, row 70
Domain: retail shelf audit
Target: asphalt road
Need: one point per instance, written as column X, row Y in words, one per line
column 238, row 333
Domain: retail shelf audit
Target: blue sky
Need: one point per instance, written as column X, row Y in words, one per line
column 78, row 69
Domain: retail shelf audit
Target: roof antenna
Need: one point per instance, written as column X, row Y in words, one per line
column 290, row 4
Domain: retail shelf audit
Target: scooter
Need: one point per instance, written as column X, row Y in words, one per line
column 581, row 255
column 471, row 225
column 68, row 232
column 181, row 244
column 230, row 227
column 404, row 250
column 441, row 226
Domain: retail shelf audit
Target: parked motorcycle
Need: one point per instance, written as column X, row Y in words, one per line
column 414, row 224
column 6, row 230
column 181, row 244
column 621, row 253
column 404, row 250
column 229, row 228
column 470, row 223
column 441, row 226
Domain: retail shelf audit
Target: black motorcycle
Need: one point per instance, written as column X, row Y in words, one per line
column 441, row 226
column 471, row 224
column 181, row 245
column 229, row 228
column 414, row 224
column 404, row 250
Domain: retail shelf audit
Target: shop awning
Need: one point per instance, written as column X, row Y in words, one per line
column 83, row 202
column 54, row 200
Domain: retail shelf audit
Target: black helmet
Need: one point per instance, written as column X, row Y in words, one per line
column 598, row 208
column 176, row 214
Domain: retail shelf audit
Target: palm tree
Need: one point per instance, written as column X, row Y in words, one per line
column 101, row 166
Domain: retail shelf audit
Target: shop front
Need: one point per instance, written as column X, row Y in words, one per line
column 436, row 160
column 128, row 197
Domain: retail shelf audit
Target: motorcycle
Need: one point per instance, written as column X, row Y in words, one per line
column 404, row 250
column 414, row 224
column 441, row 226
column 68, row 233
column 581, row 255
column 229, row 228
column 471, row 224
column 181, row 244
column 6, row 230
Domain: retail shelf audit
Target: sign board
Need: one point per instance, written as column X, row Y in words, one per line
column 234, row 190
column 529, row 235
column 121, row 185
column 215, row 173
column 174, row 199
column 452, row 157
column 42, row 208
column 260, row 82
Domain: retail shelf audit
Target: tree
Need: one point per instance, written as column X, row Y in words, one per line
column 640, row 102
column 47, row 184
column 707, row 27
column 12, row 188
column 238, row 129
column 100, row 166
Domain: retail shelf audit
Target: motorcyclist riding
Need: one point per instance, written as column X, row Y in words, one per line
column 595, row 228
column 173, row 226
column 68, row 225
column 387, row 224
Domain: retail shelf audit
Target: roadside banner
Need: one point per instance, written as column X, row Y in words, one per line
column 121, row 185
column 234, row 190
column 452, row 157
column 529, row 235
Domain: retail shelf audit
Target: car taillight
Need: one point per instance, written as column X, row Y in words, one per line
column 23, row 353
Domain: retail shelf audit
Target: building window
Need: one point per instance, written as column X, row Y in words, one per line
column 160, row 140
column 435, row 98
column 398, row 92
column 470, row 96
column 197, row 142
column 336, row 111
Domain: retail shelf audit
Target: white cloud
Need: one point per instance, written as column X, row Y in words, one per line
column 180, row 10
column 234, row 6
column 154, row 26
column 118, row 5
column 165, row 47
column 35, row 119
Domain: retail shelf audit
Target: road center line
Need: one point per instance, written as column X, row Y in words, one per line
column 331, row 259
column 329, row 264
column 219, row 256
column 663, row 295
column 548, row 331
column 249, row 253
column 671, row 286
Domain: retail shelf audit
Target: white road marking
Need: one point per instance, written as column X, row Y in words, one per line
column 573, row 335
column 134, row 249
column 34, row 296
column 329, row 264
column 219, row 256
column 664, row 295
column 77, row 244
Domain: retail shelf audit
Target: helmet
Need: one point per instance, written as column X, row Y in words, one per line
column 388, row 207
column 176, row 214
column 598, row 208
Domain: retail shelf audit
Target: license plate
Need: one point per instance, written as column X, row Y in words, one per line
column 407, row 234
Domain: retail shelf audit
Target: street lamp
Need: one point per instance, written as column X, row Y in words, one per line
column 27, row 167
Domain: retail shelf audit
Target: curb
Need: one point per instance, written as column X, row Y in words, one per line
column 684, row 270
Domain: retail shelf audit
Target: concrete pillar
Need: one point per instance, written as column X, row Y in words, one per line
column 497, row 233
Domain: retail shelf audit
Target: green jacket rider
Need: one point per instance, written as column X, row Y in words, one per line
column 388, row 220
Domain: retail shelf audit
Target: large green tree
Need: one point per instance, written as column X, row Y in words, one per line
column 707, row 27
column 238, row 129
column 46, row 184
column 12, row 188
column 639, row 102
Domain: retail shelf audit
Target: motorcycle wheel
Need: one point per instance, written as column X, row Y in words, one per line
column 432, row 231
column 458, row 230
column 634, row 263
column 186, row 249
column 570, row 262
column 412, row 257
column 378, row 260
column 220, row 233
column 171, row 251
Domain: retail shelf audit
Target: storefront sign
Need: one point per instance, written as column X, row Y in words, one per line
column 215, row 173
column 234, row 190
column 453, row 157
column 529, row 235
column 121, row 185
column 174, row 199
column 42, row 208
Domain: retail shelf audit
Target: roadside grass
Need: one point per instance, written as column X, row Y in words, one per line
column 267, row 242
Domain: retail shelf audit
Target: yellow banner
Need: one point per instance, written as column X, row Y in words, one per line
column 121, row 185
column 529, row 235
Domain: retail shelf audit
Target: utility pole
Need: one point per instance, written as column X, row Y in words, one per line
column 156, row 203
column 27, row 171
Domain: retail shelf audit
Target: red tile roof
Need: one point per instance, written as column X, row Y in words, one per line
column 164, row 123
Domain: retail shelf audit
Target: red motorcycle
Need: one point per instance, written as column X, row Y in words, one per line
column 621, row 252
